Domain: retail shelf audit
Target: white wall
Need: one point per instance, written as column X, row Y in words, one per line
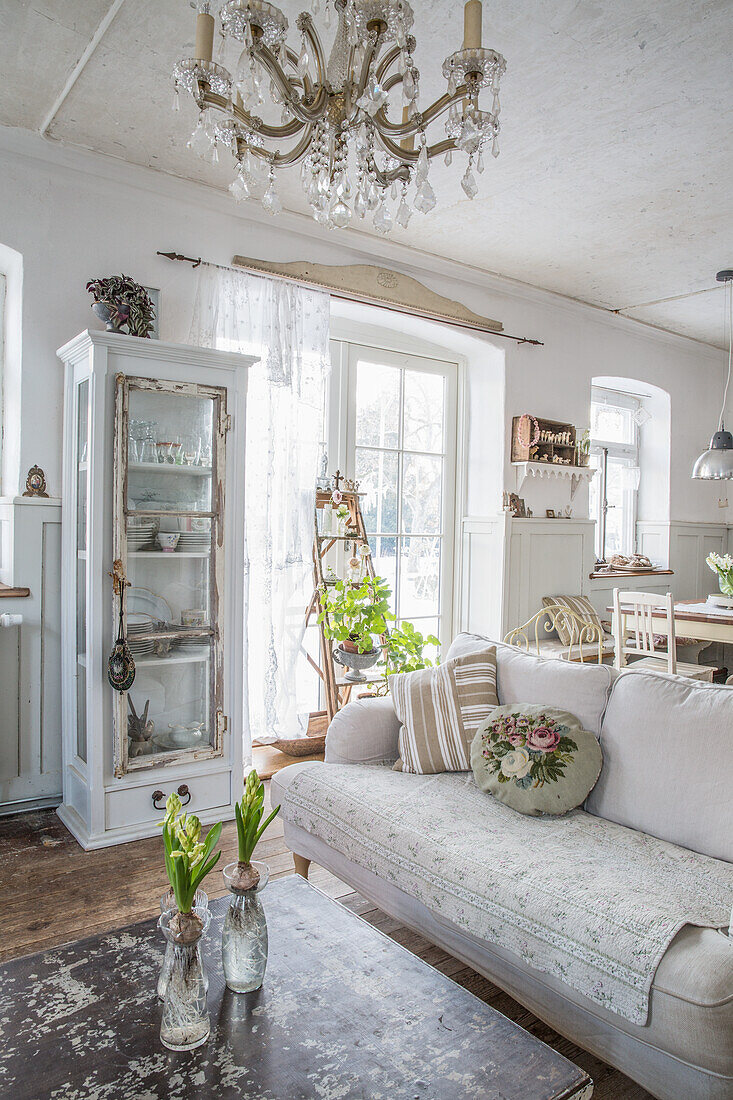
column 72, row 216
column 68, row 216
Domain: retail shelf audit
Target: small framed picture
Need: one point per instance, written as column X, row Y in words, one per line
column 550, row 513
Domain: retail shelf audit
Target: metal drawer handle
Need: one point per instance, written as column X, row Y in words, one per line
column 183, row 792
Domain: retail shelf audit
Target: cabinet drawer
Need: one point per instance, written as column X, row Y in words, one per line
column 134, row 806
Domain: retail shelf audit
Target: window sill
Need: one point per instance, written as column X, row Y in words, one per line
column 603, row 574
column 7, row 592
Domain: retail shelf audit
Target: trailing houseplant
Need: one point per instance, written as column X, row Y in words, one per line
column 353, row 613
column 188, row 860
column 404, row 651
column 122, row 301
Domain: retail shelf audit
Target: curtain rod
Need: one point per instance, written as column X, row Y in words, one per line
column 198, row 262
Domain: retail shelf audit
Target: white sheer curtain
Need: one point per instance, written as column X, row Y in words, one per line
column 287, row 326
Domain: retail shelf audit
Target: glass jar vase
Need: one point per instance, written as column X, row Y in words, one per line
column 168, row 903
column 244, row 935
column 185, row 1023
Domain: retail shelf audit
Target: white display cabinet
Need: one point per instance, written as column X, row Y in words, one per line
column 154, row 492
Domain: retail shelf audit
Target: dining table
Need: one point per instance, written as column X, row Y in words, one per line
column 698, row 619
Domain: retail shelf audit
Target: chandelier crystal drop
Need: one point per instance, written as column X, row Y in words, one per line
column 352, row 121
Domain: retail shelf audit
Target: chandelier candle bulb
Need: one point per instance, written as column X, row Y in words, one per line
column 205, row 25
column 472, row 17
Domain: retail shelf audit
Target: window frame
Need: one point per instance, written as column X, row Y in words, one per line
column 625, row 454
column 342, row 443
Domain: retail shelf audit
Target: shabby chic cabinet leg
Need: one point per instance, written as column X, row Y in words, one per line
column 301, row 865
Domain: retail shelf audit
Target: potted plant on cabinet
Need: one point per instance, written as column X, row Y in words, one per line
column 118, row 301
column 352, row 614
column 582, row 448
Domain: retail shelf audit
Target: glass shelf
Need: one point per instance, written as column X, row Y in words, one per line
column 155, row 554
column 167, row 468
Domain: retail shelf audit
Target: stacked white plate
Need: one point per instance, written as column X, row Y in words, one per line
column 194, row 542
column 137, row 624
column 140, row 536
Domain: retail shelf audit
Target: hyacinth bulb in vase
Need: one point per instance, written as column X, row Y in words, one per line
column 244, row 936
column 722, row 564
column 188, row 859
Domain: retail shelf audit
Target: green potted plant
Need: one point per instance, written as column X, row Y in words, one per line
column 352, row 614
column 404, row 652
column 118, row 301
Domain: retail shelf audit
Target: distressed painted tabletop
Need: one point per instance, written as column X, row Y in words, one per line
column 344, row 1013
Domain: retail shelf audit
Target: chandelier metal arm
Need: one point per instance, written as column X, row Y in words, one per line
column 387, row 61
column 285, row 160
column 418, row 122
column 310, row 113
column 409, row 156
column 252, row 122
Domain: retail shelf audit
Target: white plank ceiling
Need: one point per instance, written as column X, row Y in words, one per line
column 614, row 184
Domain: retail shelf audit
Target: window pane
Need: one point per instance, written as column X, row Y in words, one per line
column 422, row 483
column 611, row 423
column 377, row 405
column 617, row 502
column 384, row 559
column 419, row 577
column 424, row 411
column 376, row 472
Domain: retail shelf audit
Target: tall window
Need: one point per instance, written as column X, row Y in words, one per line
column 614, row 431
column 400, row 441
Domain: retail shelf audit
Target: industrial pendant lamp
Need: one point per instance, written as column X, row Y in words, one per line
column 716, row 464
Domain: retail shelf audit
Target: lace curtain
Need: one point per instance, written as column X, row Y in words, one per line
column 287, row 326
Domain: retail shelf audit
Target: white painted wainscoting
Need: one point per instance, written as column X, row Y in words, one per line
column 30, row 655
column 510, row 564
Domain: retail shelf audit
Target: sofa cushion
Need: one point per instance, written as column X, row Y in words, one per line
column 536, row 759
column 581, row 608
column 668, row 761
column 440, row 710
column 582, row 689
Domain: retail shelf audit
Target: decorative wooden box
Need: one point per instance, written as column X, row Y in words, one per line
column 535, row 439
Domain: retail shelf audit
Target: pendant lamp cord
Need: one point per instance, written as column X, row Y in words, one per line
column 729, row 288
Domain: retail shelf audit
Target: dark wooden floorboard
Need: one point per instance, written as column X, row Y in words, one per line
column 54, row 892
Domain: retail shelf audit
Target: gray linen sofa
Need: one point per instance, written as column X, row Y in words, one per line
column 668, row 772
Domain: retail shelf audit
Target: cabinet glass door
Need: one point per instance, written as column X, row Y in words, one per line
column 169, row 466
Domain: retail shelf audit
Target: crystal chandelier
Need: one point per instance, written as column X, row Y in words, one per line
column 331, row 116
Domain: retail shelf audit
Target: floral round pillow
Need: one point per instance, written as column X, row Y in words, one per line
column 538, row 760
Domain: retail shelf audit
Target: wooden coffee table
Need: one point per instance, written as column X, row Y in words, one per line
column 344, row 1012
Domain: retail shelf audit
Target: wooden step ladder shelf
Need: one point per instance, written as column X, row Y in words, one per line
column 337, row 689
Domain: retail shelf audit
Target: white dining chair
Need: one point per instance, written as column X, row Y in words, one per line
column 634, row 635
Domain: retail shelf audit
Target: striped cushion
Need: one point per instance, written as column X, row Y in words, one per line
column 440, row 710
column 580, row 606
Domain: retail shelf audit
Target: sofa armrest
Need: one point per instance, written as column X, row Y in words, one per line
column 365, row 731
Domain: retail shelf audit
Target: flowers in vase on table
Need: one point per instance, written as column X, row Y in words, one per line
column 188, row 860
column 722, row 564
column 529, row 750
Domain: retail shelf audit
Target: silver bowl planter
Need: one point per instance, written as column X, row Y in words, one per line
column 355, row 663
